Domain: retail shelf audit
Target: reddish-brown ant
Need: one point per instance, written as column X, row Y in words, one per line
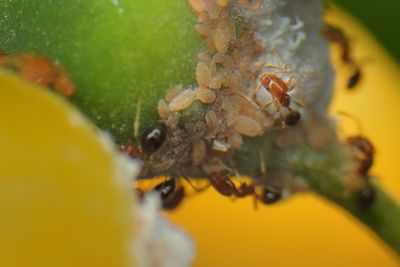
column 279, row 90
column 226, row 187
column 337, row 36
column 366, row 153
column 39, row 71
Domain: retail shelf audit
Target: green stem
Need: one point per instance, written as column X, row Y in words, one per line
column 323, row 170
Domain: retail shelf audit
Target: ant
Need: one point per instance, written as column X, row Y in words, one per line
column 366, row 155
column 226, row 187
column 170, row 195
column 337, row 36
column 279, row 90
column 363, row 148
column 39, row 71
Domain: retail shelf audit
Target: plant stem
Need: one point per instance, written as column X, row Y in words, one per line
column 324, row 170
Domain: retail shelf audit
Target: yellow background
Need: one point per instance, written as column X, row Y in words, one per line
column 306, row 230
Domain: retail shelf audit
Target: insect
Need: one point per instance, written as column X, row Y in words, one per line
column 365, row 155
column 39, row 70
column 153, row 138
column 226, row 187
column 366, row 197
column 336, row 35
column 171, row 195
column 279, row 90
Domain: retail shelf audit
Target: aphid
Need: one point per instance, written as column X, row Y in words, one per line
column 336, row 35
column 366, row 153
column 278, row 88
column 292, row 118
column 170, row 195
column 366, row 198
column 39, row 71
column 271, row 195
column 153, row 138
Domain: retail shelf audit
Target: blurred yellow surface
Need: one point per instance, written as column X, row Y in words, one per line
column 60, row 202
column 306, row 230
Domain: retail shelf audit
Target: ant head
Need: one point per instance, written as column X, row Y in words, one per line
column 284, row 99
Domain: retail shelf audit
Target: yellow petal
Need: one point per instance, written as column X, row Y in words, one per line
column 61, row 203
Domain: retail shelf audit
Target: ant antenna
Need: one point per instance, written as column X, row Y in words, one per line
column 353, row 118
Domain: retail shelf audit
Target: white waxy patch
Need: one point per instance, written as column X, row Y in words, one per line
column 182, row 101
column 203, row 74
column 205, row 95
column 220, row 146
column 247, row 126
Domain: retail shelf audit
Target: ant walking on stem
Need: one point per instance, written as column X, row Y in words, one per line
column 279, row 90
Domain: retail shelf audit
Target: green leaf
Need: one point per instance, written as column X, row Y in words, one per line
column 117, row 52
column 381, row 18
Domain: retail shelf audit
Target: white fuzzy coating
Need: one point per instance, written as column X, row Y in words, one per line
column 159, row 243
column 289, row 33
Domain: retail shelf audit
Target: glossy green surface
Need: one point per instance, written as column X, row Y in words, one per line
column 116, row 51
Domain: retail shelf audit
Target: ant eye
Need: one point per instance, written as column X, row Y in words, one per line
column 292, row 118
column 271, row 196
column 153, row 138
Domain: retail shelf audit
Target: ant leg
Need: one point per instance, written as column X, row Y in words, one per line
column 255, row 91
column 250, row 101
column 298, row 103
column 193, row 186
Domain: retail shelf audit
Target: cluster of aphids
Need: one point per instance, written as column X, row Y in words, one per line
column 337, row 36
column 39, row 71
column 363, row 152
